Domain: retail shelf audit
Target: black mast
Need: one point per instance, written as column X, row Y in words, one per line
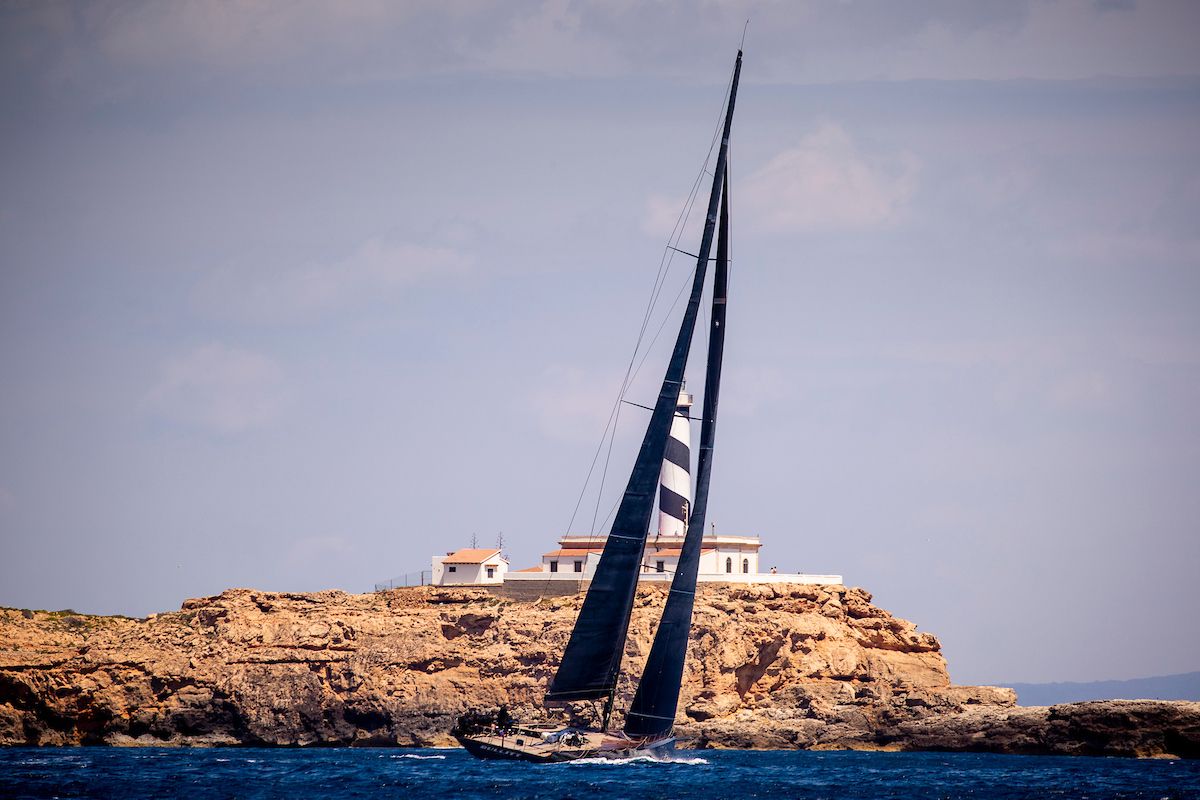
column 652, row 713
column 592, row 660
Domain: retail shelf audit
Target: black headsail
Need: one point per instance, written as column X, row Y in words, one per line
column 653, row 710
column 592, row 660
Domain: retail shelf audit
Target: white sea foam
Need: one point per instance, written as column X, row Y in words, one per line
column 414, row 755
column 638, row 760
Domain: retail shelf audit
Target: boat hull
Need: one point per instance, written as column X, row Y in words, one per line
column 595, row 745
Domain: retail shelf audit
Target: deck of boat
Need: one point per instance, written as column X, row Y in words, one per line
column 528, row 744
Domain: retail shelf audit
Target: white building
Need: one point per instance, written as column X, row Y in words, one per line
column 473, row 566
column 731, row 559
column 719, row 555
column 722, row 558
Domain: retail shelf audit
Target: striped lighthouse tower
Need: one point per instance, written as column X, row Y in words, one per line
column 675, row 480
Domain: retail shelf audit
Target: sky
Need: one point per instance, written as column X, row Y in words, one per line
column 297, row 295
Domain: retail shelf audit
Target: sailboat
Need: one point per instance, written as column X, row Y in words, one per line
column 591, row 663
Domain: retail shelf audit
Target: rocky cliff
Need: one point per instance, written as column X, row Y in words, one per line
column 783, row 666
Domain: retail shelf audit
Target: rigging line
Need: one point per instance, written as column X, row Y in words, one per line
column 604, row 471
column 666, row 260
column 704, row 169
column 660, row 280
column 629, row 378
column 611, row 510
column 591, row 469
column 610, row 428
column 726, row 108
column 686, row 253
column 620, row 399
column 666, row 319
column 651, row 408
column 685, row 214
column 681, row 220
column 664, row 267
column 614, row 413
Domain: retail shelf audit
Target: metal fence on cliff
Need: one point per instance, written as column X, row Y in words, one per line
column 420, row 578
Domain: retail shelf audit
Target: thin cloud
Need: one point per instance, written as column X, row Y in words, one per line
column 377, row 267
column 572, row 404
column 1082, row 390
column 219, row 389
column 662, row 215
column 136, row 44
column 238, row 34
column 825, row 183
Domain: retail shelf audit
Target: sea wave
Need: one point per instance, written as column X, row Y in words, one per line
column 414, row 755
column 637, row 760
column 346, row 773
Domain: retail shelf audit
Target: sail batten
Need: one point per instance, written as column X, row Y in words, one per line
column 592, row 660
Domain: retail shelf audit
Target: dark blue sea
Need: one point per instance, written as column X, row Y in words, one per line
column 701, row 775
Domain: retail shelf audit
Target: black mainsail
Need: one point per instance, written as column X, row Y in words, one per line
column 652, row 712
column 592, row 661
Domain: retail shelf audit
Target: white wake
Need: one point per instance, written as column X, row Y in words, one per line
column 638, row 760
column 418, row 757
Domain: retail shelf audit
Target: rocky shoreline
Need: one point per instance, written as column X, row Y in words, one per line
column 771, row 667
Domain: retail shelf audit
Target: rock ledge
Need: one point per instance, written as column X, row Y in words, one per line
column 774, row 666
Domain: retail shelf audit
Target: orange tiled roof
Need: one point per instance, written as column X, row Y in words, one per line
column 662, row 551
column 530, row 569
column 569, row 553
column 673, row 552
column 470, row 556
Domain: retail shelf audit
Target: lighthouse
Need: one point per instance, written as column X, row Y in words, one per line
column 675, row 479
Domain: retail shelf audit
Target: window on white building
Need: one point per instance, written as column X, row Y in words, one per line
column 451, row 568
column 554, row 566
column 491, row 572
column 579, row 566
column 729, row 565
column 746, row 565
column 660, row 566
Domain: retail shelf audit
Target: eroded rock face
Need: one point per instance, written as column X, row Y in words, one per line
column 769, row 666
